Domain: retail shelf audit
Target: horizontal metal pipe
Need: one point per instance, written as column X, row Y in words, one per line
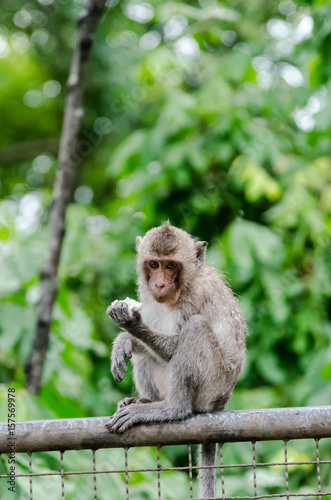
column 226, row 426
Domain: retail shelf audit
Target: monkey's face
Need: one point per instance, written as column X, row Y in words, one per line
column 163, row 278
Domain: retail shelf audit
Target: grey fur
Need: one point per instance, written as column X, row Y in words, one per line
column 207, row 477
column 187, row 356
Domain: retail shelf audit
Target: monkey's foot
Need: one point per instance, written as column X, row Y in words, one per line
column 130, row 401
column 125, row 417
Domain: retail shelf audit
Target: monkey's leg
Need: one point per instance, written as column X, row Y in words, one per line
column 176, row 406
column 147, row 379
column 143, row 368
column 159, row 411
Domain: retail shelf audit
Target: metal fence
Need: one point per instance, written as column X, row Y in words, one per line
column 274, row 453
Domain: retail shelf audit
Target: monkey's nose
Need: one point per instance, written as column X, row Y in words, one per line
column 160, row 285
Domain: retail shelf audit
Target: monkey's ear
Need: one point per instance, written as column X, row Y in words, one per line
column 138, row 241
column 200, row 250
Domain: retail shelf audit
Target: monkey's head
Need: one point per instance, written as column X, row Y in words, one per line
column 167, row 259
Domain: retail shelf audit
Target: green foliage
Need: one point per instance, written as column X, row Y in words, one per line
column 215, row 116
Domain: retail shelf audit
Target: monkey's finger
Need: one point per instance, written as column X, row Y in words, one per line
column 113, row 308
column 136, row 314
column 127, row 402
column 111, row 313
column 109, row 425
column 123, row 309
column 127, row 350
column 117, row 374
column 122, row 424
column 123, row 365
column 120, row 314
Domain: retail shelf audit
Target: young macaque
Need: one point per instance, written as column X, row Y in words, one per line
column 187, row 343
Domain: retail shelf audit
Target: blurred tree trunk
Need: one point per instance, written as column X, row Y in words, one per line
column 68, row 162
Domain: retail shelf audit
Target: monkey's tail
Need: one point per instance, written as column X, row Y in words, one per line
column 207, row 476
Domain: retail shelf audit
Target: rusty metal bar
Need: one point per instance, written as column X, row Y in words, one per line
column 227, row 426
column 30, row 478
column 189, row 447
column 127, row 495
column 62, row 477
column 159, row 467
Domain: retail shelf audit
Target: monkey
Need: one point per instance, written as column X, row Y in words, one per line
column 187, row 343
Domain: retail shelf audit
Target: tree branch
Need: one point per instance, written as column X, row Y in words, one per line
column 63, row 188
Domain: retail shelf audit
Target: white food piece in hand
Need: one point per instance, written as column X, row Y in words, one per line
column 130, row 302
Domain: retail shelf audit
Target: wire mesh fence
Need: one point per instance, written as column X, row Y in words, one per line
column 284, row 453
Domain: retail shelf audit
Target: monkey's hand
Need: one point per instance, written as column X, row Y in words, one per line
column 122, row 348
column 119, row 312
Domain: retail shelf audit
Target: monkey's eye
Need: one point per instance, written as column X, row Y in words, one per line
column 153, row 264
column 172, row 265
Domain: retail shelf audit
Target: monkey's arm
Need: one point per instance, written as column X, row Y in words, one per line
column 163, row 345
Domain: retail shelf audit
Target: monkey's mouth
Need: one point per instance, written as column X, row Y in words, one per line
column 163, row 294
column 169, row 297
column 161, row 298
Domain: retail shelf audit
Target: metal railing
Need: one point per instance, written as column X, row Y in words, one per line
column 252, row 472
